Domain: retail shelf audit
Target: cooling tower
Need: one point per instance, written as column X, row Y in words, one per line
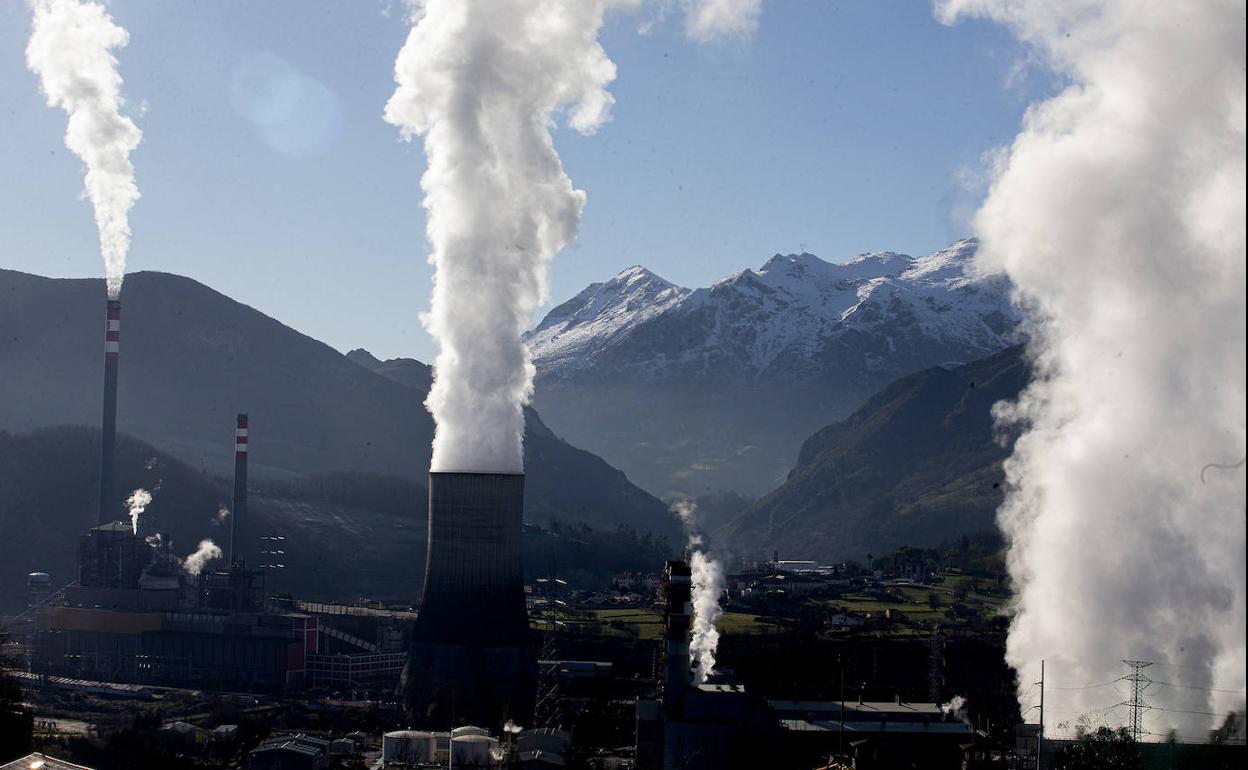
column 240, row 488
column 108, row 438
column 472, row 661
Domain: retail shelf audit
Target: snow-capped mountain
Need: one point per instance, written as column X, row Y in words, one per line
column 689, row 390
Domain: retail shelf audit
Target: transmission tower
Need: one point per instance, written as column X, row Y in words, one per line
column 546, row 712
column 1139, row 683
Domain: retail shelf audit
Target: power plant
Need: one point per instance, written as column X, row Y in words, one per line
column 471, row 657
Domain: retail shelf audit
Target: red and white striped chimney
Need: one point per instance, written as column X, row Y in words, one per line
column 108, row 435
column 240, row 487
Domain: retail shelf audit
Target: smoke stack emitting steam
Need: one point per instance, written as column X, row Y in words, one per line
column 108, row 427
column 70, row 49
column 1118, row 213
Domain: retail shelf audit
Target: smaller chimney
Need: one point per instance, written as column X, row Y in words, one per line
column 240, row 488
column 678, row 612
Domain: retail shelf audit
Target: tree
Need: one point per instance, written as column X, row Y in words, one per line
column 1104, row 748
column 16, row 723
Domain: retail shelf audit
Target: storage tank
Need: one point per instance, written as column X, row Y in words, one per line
column 38, row 588
column 407, row 747
column 469, row 730
column 472, row 751
column 544, row 739
column 343, row 747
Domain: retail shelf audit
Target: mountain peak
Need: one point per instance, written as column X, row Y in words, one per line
column 791, row 261
column 364, row 359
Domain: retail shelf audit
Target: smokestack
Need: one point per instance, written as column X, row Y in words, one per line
column 240, row 487
column 471, row 653
column 108, row 439
column 677, row 612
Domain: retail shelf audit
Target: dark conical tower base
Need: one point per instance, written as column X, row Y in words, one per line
column 471, row 659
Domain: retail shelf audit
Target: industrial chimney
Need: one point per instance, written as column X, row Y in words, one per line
column 472, row 660
column 108, row 438
column 240, row 488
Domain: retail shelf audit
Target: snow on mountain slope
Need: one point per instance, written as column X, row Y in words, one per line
column 601, row 313
column 761, row 323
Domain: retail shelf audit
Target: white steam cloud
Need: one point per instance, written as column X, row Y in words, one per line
column 708, row 587
column 482, row 82
column 706, row 20
column 956, row 709
column 136, row 503
column 707, row 582
column 71, row 50
column 206, row 552
column 1118, row 213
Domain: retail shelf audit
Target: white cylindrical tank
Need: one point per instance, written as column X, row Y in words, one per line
column 407, row 747
column 38, row 586
column 469, row 730
column 472, row 751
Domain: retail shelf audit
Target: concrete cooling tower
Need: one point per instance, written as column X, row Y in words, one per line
column 471, row 659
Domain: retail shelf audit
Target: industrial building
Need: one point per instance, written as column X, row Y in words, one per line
column 136, row 615
column 718, row 724
column 471, row 655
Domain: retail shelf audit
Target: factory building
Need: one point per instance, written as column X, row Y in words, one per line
column 471, row 656
column 135, row 615
column 718, row 724
column 695, row 727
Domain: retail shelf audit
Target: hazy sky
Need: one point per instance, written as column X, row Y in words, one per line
column 267, row 171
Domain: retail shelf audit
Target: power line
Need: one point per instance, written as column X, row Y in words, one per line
column 1195, row 687
column 1087, row 686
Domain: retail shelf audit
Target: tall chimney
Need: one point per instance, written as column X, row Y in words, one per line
column 240, row 487
column 108, row 440
column 471, row 656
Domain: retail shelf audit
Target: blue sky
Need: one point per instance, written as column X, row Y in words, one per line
column 267, row 172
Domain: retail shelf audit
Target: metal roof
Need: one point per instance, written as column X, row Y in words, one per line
column 41, row 762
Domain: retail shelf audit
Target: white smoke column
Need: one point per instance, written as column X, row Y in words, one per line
column 71, row 50
column 1119, row 215
column 136, row 503
column 223, row 514
column 482, row 81
column 707, row 587
column 706, row 20
column 206, row 552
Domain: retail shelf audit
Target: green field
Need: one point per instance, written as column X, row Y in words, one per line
column 921, row 605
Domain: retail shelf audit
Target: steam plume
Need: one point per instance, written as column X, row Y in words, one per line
column 206, row 552
column 136, row 503
column 482, row 82
column 70, row 49
column 956, row 708
column 1118, row 213
column 707, row 586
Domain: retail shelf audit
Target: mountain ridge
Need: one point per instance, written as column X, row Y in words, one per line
column 690, row 391
column 191, row 358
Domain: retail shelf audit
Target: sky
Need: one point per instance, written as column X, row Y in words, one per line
column 267, row 171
